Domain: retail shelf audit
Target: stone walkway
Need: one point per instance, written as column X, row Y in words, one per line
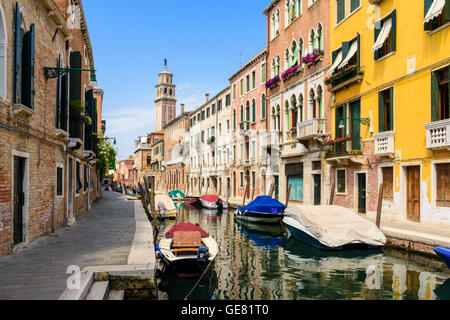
column 102, row 236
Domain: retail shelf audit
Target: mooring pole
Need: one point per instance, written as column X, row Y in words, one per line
column 333, row 189
column 380, row 205
column 288, row 195
column 272, row 189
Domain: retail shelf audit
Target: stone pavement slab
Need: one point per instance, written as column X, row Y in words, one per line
column 102, row 236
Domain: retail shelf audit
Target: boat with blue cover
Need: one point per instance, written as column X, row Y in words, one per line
column 444, row 254
column 263, row 209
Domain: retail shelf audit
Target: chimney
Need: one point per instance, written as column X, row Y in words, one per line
column 207, row 97
column 182, row 108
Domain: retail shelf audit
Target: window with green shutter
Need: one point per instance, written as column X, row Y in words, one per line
column 439, row 18
column 354, row 4
column 386, row 110
column 355, row 110
column 263, row 107
column 254, row 111
column 340, row 10
column 440, row 104
column 242, row 87
column 263, row 73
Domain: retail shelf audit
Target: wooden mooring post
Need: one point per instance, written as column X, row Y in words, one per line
column 379, row 205
column 333, row 189
column 272, row 189
column 288, row 195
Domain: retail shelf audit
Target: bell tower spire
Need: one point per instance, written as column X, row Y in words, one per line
column 165, row 103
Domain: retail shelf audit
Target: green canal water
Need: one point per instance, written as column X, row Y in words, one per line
column 257, row 262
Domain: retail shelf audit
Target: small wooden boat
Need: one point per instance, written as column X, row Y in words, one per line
column 263, row 209
column 213, row 202
column 192, row 201
column 187, row 250
column 444, row 254
column 165, row 207
column 333, row 228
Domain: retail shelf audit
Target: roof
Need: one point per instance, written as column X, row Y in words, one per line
column 270, row 6
column 210, row 100
column 249, row 63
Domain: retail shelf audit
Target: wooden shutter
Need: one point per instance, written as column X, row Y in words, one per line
column 340, row 10
column 377, row 30
column 355, row 109
column 345, row 49
column 381, row 111
column 64, row 102
column 394, row 30
column 27, row 95
column 434, row 97
column 446, row 11
column 18, row 58
column 334, row 55
column 58, row 97
column 391, row 107
column 443, row 185
column 388, row 183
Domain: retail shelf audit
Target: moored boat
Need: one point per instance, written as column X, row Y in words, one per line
column 165, row 207
column 333, row 228
column 187, row 250
column 213, row 202
column 444, row 254
column 192, row 201
column 177, row 194
column 263, row 209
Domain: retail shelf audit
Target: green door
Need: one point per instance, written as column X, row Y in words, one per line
column 19, row 199
column 317, row 189
column 355, row 109
column 362, row 194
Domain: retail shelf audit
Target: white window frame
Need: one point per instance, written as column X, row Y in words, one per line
column 60, row 165
column 346, row 182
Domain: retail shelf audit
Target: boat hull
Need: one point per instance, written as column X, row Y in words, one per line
column 187, row 268
column 304, row 237
column 259, row 217
column 444, row 254
column 213, row 205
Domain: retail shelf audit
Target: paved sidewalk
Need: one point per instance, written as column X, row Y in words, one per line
column 102, row 236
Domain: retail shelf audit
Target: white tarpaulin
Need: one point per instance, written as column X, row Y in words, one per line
column 350, row 54
column 435, row 10
column 337, row 61
column 336, row 226
column 164, row 202
column 384, row 34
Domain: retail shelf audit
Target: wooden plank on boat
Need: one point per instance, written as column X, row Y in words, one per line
column 187, row 239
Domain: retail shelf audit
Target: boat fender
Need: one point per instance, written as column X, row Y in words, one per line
column 159, row 255
column 203, row 254
column 157, row 247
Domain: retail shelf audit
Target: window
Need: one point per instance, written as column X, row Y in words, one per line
column 23, row 62
column 443, row 185
column 242, row 151
column 263, row 107
column 340, row 10
column 234, row 119
column 385, row 36
column 354, row 4
column 59, row 181
column 253, row 179
column 234, row 92
column 440, row 104
column 242, row 87
column 388, row 183
column 149, row 159
column 86, row 180
column 253, row 149
column 227, row 100
column 213, row 109
column 386, row 110
column 242, row 179
column 253, row 111
column 253, row 79
column 219, row 105
column 247, row 78
column 79, row 186
column 437, row 14
column 207, row 113
column 341, row 181
column 263, row 73
column 228, row 126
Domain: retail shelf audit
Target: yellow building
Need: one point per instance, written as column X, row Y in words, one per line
column 390, row 109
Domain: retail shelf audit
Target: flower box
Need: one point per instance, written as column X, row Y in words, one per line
column 290, row 72
column 313, row 57
column 272, row 82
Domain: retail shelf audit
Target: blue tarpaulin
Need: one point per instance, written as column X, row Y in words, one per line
column 264, row 204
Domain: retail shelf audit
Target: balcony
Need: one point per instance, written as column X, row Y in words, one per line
column 343, row 151
column 438, row 135
column 310, row 129
column 140, row 146
column 385, row 144
column 344, row 78
column 244, row 128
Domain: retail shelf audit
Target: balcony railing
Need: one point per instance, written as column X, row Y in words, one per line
column 385, row 143
column 310, row 128
column 438, row 135
column 343, row 147
column 344, row 78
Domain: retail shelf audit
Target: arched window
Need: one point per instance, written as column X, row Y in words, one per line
column 319, row 37
column 263, row 106
column 294, row 54
column 294, row 111
column 272, row 26
column 299, row 7
column 234, row 119
column 242, row 113
column 286, row 59
column 149, row 159
column 273, row 70
column 247, row 111
column 300, row 49
column 319, row 99
column 278, row 65
column 254, row 110
column 287, row 14
column 312, row 41
column 300, row 108
column 312, row 101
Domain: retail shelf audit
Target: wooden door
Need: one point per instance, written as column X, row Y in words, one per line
column 317, row 189
column 362, row 194
column 413, row 193
column 19, row 199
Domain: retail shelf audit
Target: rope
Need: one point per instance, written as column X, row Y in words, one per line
column 198, row 282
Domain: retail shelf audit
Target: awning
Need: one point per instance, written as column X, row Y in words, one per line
column 336, row 62
column 350, row 54
column 384, row 34
column 435, row 10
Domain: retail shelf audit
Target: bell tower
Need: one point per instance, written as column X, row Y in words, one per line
column 165, row 103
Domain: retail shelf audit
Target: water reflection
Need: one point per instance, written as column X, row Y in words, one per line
column 258, row 262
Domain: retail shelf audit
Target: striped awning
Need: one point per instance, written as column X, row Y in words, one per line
column 435, row 10
column 350, row 54
column 384, row 34
column 336, row 62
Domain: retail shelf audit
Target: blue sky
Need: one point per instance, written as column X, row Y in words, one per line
column 205, row 42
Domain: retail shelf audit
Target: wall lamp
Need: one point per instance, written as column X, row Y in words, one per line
column 51, row 73
column 363, row 121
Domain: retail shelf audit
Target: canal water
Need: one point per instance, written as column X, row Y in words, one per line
column 261, row 262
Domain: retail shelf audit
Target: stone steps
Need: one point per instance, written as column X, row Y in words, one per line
column 98, row 291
